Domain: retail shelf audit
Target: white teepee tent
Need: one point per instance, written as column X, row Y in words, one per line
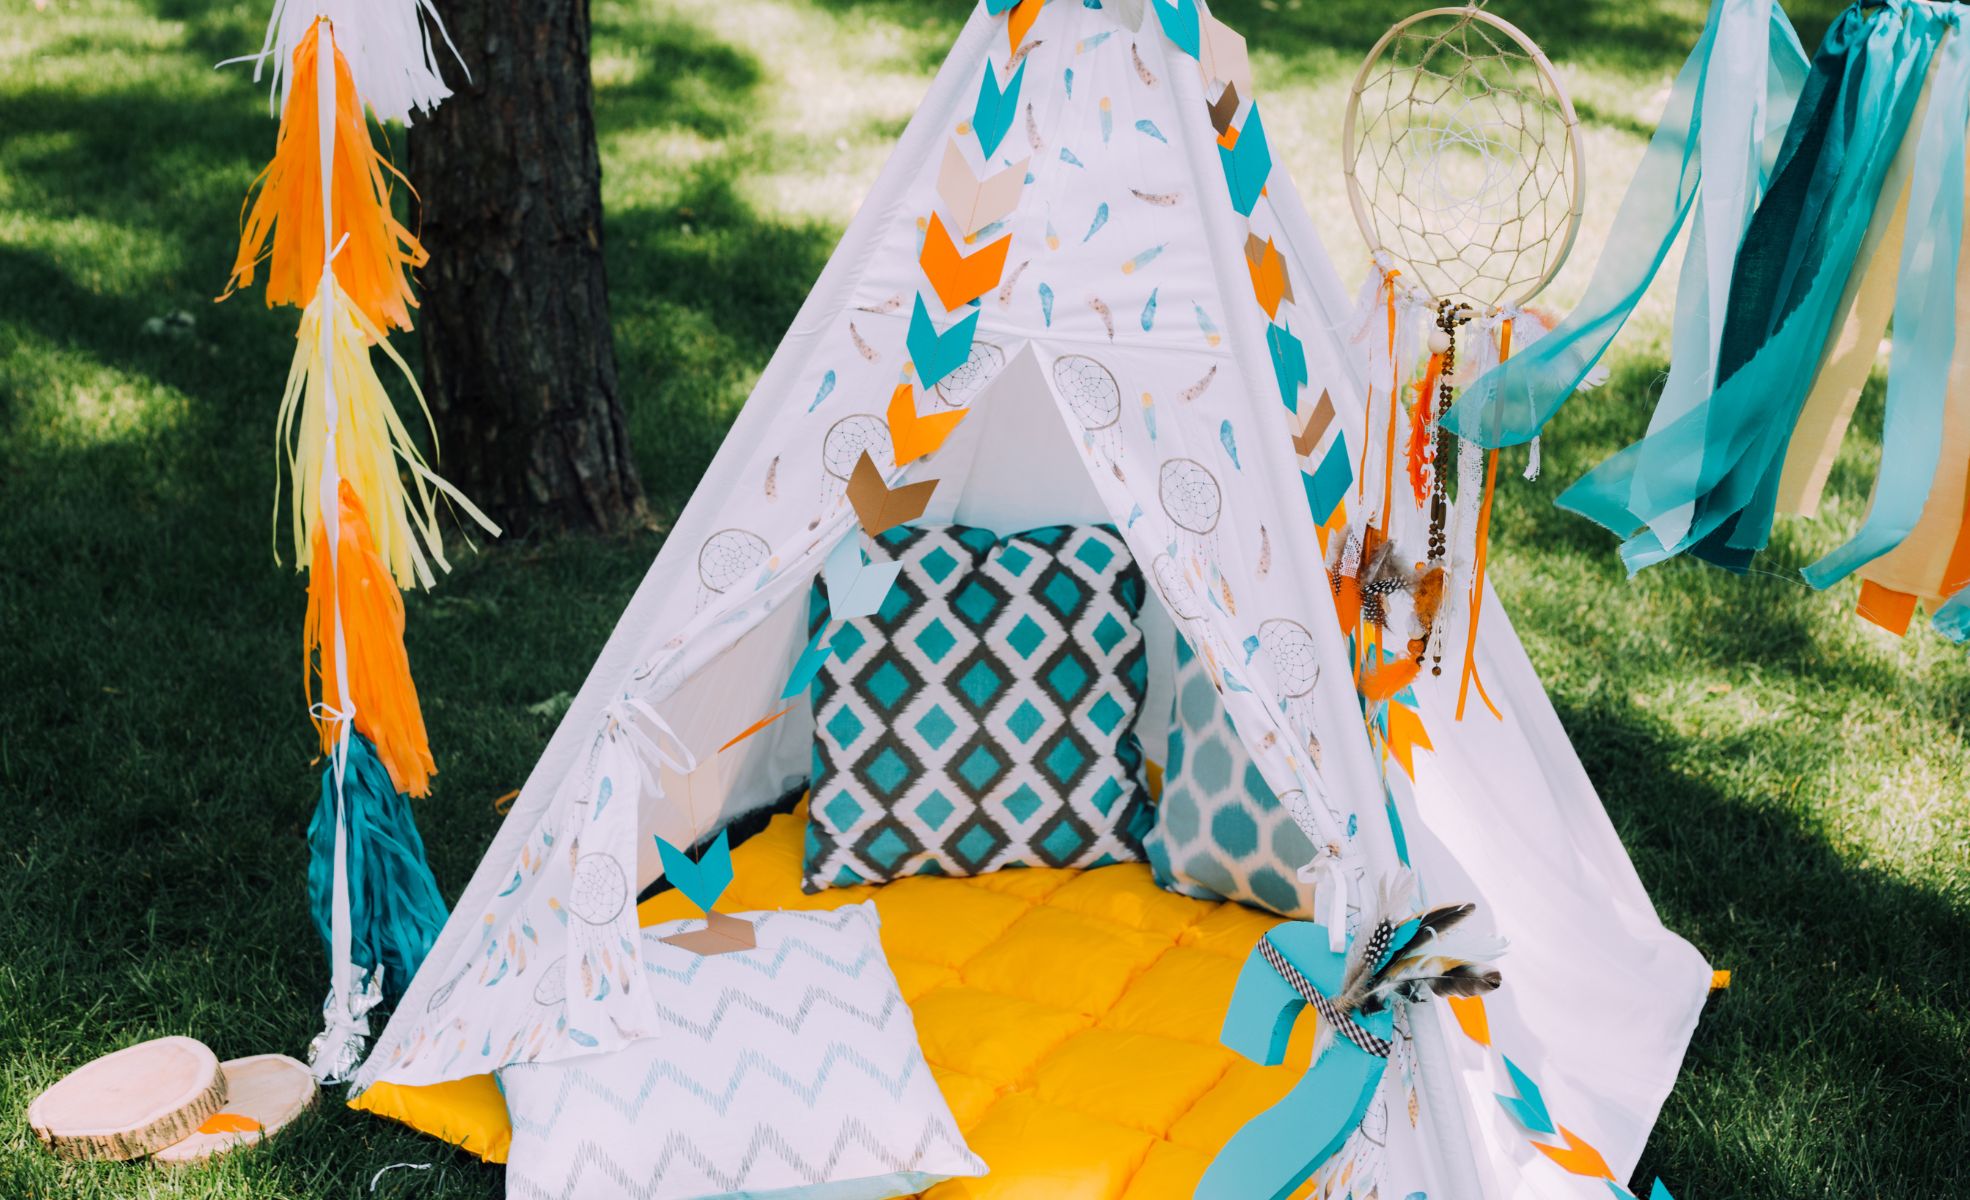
column 1118, row 367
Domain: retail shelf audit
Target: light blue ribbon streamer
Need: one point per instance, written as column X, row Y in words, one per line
column 1952, row 620
column 1723, row 454
column 1513, row 401
column 1925, row 321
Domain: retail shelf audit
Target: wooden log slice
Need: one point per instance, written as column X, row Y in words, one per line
column 131, row 1103
column 264, row 1093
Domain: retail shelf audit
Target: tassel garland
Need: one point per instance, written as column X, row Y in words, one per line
column 357, row 588
column 388, row 43
column 283, row 223
column 396, row 911
column 371, row 442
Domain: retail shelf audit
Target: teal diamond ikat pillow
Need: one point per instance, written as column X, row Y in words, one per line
column 985, row 717
column 1220, row 832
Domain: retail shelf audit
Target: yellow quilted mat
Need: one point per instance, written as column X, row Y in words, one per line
column 1071, row 1018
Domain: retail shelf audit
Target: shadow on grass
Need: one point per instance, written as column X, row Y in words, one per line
column 1845, row 996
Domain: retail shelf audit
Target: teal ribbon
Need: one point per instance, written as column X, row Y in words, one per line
column 395, row 911
column 1952, row 620
column 1708, row 480
column 1513, row 401
column 1925, row 322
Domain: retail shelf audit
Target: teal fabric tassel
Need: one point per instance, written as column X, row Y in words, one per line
column 1708, row 481
column 395, row 910
column 1707, row 155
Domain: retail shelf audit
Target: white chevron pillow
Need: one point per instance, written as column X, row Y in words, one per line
column 790, row 1070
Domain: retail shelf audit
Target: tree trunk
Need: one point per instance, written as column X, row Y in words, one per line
column 518, row 363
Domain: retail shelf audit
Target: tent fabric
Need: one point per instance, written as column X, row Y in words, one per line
column 1121, row 370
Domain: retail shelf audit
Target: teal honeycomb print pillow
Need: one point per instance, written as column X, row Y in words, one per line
column 1220, row 832
column 985, row 717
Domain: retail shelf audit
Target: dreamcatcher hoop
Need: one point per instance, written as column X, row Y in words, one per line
column 1435, row 274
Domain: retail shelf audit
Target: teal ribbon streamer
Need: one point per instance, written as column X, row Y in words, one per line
column 1513, row 401
column 395, row 910
column 1925, row 322
column 1952, row 620
column 1711, row 475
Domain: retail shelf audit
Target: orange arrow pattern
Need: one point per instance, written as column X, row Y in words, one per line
column 1471, row 1018
column 1019, row 20
column 912, row 435
column 1268, row 269
column 1577, row 1156
column 1317, row 422
column 879, row 507
column 959, row 280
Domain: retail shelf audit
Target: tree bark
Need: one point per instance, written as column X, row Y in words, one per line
column 519, row 367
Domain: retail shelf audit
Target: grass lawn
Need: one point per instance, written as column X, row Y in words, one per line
column 1793, row 785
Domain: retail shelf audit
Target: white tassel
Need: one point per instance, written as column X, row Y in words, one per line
column 1532, row 461
column 387, row 44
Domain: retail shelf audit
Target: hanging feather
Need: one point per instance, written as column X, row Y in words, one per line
column 1149, row 414
column 395, row 909
column 1421, row 451
column 283, row 225
column 1005, row 289
column 1159, row 199
column 1380, row 683
column 1107, row 318
column 1149, row 311
column 1265, row 553
column 1229, row 439
column 1382, row 576
column 1033, row 131
column 388, row 44
column 1142, row 72
column 1200, row 387
column 773, row 479
column 1107, row 120
column 1341, row 577
column 373, row 449
column 862, row 347
column 1428, row 598
column 355, row 588
column 1067, row 77
column 1046, row 305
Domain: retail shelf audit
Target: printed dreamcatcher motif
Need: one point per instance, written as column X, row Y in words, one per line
column 1194, row 502
column 727, row 559
column 1295, row 661
column 1174, row 586
column 1095, row 399
column 842, row 449
column 980, row 368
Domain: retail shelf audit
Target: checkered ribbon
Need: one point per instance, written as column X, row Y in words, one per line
column 1343, row 1024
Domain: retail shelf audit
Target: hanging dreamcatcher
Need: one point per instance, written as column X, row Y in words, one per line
column 1465, row 171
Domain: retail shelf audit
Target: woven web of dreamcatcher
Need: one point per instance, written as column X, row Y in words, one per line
column 1462, row 167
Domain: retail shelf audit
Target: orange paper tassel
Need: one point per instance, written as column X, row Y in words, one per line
column 372, row 612
column 283, row 225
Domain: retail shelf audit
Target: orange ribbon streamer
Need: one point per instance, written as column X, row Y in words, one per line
column 283, row 225
column 372, row 613
column 1470, row 674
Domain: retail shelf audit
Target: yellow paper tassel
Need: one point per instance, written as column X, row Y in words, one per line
column 370, row 442
column 283, row 225
column 357, row 588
